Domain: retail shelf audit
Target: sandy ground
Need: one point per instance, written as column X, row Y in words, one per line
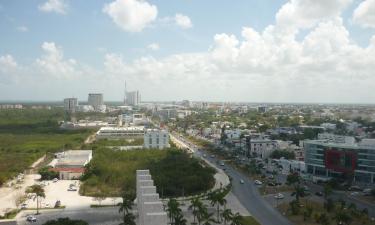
column 8, row 195
column 69, row 199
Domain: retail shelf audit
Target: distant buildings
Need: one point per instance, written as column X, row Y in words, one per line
column 71, row 164
column 262, row 109
column 333, row 156
column 157, row 139
column 11, row 106
column 120, row 132
column 96, row 101
column 70, row 104
column 133, row 98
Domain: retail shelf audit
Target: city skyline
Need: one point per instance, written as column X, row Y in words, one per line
column 300, row 51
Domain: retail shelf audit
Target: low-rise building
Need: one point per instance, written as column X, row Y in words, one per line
column 157, row 139
column 120, row 132
column 71, row 164
column 333, row 156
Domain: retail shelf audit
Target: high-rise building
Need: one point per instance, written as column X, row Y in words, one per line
column 133, row 98
column 96, row 101
column 70, row 104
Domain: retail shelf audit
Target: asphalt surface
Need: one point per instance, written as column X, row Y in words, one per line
column 248, row 194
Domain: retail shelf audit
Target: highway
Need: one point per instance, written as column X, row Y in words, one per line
column 246, row 193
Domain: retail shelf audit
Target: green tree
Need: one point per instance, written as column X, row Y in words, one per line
column 125, row 207
column 65, row 221
column 342, row 218
column 294, row 180
column 195, row 204
column 39, row 193
column 236, row 219
column 173, row 209
column 226, row 215
column 217, row 198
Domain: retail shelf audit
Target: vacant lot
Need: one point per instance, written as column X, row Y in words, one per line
column 174, row 172
column 26, row 135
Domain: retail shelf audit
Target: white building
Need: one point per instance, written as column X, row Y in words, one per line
column 328, row 126
column 96, row 101
column 233, row 134
column 155, row 138
column 262, row 147
column 70, row 104
column 120, row 132
column 133, row 98
column 71, row 164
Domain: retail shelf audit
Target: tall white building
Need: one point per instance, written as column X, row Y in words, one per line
column 70, row 104
column 155, row 138
column 133, row 98
column 96, row 101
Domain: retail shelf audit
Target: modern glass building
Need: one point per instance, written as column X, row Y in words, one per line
column 334, row 156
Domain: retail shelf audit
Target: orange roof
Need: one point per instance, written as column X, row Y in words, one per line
column 72, row 170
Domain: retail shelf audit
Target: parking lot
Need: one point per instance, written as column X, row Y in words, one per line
column 70, row 199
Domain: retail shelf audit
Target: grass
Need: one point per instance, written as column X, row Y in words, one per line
column 10, row 215
column 175, row 173
column 26, row 135
column 101, row 206
column 249, row 220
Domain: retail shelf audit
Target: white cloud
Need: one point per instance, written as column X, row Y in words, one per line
column 52, row 62
column 131, row 15
column 306, row 13
column 153, row 46
column 8, row 69
column 183, row 21
column 364, row 14
column 57, row 6
column 22, row 29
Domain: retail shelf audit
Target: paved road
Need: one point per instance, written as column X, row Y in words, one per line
column 248, row 195
column 98, row 216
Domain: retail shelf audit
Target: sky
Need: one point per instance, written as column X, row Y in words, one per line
column 212, row 50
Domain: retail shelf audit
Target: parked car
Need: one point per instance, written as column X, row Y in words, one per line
column 355, row 188
column 24, row 206
column 367, row 191
column 355, row 193
column 279, row 196
column 258, row 182
column 271, row 184
column 242, row 182
column 55, row 180
column 31, row 219
column 72, row 189
column 319, row 193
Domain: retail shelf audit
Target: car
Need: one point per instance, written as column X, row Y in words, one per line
column 258, row 182
column 31, row 219
column 319, row 193
column 212, row 156
column 72, row 189
column 55, row 180
column 271, row 184
column 355, row 188
column 279, row 196
column 367, row 191
column 204, row 155
column 23, row 206
column 355, row 193
column 242, row 182
column 224, row 168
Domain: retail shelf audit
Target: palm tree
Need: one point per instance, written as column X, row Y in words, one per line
column 173, row 209
column 294, row 180
column 217, row 198
column 342, row 218
column 226, row 215
column 195, row 203
column 236, row 219
column 180, row 220
column 207, row 219
column 201, row 212
column 125, row 207
column 39, row 192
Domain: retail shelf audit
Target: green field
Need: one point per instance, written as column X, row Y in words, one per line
column 174, row 172
column 26, row 135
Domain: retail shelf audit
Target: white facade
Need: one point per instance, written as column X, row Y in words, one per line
column 262, row 147
column 157, row 139
column 133, row 98
column 70, row 104
column 96, row 101
column 120, row 132
column 233, row 134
